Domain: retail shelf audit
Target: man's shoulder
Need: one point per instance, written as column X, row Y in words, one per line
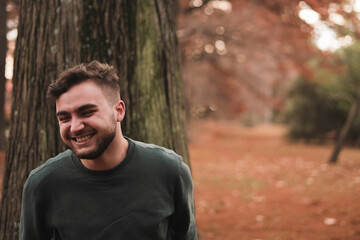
column 157, row 158
column 158, row 161
column 50, row 166
column 156, row 151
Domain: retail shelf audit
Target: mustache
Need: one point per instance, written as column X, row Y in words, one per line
column 81, row 133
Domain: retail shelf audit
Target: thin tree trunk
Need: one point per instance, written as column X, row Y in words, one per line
column 345, row 129
column 137, row 37
column 3, row 49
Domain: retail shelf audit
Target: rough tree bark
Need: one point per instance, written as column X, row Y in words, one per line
column 137, row 37
column 3, row 49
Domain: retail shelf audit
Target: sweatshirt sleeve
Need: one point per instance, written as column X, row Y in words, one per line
column 182, row 222
column 32, row 222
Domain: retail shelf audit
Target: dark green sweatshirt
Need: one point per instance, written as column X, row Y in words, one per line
column 149, row 195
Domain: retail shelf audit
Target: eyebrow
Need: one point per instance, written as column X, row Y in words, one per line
column 78, row 110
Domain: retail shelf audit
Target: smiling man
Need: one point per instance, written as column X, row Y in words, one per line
column 106, row 185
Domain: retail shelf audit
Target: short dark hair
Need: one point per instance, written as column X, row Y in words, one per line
column 102, row 74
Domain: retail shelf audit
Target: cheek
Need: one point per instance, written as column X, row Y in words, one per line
column 63, row 131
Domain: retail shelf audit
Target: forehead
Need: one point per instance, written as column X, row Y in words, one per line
column 80, row 94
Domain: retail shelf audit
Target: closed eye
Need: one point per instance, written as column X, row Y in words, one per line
column 86, row 110
column 63, row 119
column 87, row 113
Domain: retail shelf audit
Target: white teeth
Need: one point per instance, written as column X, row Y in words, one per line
column 83, row 139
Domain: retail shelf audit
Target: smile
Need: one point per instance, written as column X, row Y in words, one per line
column 83, row 139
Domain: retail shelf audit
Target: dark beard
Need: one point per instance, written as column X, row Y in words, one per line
column 100, row 149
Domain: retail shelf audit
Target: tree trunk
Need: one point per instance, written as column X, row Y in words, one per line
column 346, row 128
column 3, row 49
column 137, row 37
column 43, row 48
column 145, row 51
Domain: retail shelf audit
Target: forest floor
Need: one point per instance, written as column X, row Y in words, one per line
column 251, row 184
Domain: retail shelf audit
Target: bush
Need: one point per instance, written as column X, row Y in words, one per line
column 311, row 112
column 316, row 108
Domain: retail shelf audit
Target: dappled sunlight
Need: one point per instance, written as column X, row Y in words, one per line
column 222, row 5
column 325, row 37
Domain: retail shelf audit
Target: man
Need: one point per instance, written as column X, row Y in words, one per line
column 105, row 186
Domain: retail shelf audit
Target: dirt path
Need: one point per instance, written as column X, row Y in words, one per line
column 251, row 184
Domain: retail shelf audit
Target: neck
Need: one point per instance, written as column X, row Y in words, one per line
column 112, row 156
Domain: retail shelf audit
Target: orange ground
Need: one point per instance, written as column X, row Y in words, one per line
column 250, row 184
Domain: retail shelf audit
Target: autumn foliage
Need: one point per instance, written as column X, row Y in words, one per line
column 240, row 60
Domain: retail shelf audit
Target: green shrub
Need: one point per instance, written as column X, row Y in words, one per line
column 311, row 112
column 316, row 108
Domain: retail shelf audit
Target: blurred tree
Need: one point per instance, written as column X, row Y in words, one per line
column 137, row 37
column 326, row 105
column 239, row 55
column 3, row 48
column 351, row 58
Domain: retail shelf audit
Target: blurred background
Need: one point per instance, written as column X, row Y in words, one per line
column 272, row 93
column 257, row 62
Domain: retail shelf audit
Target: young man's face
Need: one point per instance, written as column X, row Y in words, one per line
column 88, row 121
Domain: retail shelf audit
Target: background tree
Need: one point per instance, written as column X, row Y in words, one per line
column 351, row 57
column 325, row 106
column 244, row 56
column 137, row 37
column 239, row 56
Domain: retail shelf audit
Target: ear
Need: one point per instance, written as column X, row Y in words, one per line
column 120, row 110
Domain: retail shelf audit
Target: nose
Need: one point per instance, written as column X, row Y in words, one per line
column 76, row 125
